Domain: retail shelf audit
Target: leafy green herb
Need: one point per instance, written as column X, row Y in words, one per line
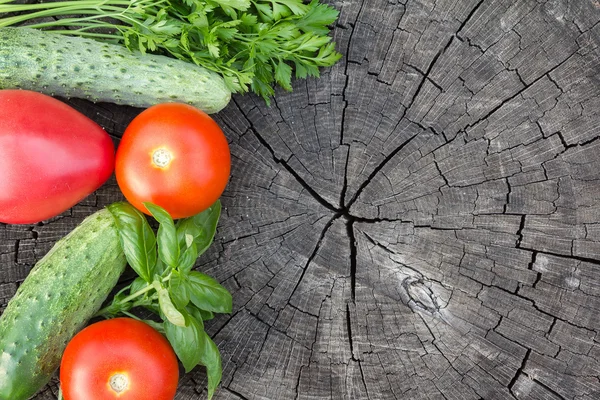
column 168, row 248
column 167, row 284
column 207, row 294
column 137, row 238
column 187, row 341
column 253, row 44
column 200, row 227
column 211, row 359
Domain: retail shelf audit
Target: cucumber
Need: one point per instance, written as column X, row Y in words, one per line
column 60, row 294
column 66, row 66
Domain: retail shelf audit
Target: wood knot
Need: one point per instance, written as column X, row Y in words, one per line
column 417, row 295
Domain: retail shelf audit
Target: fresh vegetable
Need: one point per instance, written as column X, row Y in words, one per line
column 175, row 156
column 253, row 44
column 60, row 294
column 119, row 358
column 51, row 156
column 168, row 286
column 77, row 67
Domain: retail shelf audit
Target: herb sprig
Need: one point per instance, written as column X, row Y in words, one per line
column 254, row 44
column 168, row 286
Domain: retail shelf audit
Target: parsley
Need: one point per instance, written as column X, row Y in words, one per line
column 254, row 44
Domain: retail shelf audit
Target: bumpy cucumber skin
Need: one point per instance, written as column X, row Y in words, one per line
column 66, row 66
column 60, row 294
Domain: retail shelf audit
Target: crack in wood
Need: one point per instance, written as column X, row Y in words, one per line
column 469, row 16
column 234, row 393
column 375, row 172
column 295, row 174
column 548, row 388
column 344, row 109
column 314, row 252
column 571, row 256
column 353, row 260
column 518, row 93
column 519, row 373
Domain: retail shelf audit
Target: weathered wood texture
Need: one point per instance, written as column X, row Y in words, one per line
column 420, row 223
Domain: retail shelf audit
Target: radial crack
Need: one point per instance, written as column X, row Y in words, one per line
column 295, row 174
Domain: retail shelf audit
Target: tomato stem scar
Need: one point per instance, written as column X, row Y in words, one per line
column 118, row 382
column 161, row 157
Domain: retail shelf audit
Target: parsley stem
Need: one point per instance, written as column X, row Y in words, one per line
column 59, row 4
column 117, row 9
column 48, row 13
column 91, row 21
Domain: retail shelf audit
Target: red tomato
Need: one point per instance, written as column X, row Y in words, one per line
column 51, row 156
column 119, row 358
column 175, row 156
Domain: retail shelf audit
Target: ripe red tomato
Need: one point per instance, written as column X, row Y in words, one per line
column 119, row 358
column 51, row 156
column 173, row 155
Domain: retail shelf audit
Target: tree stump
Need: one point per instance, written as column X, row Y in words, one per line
column 422, row 222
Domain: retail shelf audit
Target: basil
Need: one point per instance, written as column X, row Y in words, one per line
column 188, row 257
column 137, row 239
column 187, row 341
column 211, row 359
column 168, row 309
column 138, row 284
column 178, row 289
column 167, row 284
column 207, row 294
column 201, row 227
column 168, row 248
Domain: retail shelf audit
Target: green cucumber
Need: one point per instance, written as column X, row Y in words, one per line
column 66, row 66
column 60, row 294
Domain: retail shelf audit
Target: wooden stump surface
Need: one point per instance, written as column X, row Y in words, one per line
column 422, row 222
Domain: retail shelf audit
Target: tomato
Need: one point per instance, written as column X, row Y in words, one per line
column 51, row 156
column 173, row 155
column 119, row 358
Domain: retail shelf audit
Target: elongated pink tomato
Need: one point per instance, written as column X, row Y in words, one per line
column 51, row 156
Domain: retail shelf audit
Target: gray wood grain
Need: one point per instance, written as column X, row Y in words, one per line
column 422, row 222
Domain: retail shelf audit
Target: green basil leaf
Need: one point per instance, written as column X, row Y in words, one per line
column 206, row 315
column 171, row 313
column 120, row 295
column 168, row 248
column 138, row 284
column 208, row 294
column 188, row 258
column 160, row 267
column 194, row 312
column 201, row 227
column 189, row 240
column 137, row 239
column 211, row 359
column 178, row 289
column 198, row 313
column 187, row 341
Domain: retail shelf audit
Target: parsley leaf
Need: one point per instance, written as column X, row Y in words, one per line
column 317, row 18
